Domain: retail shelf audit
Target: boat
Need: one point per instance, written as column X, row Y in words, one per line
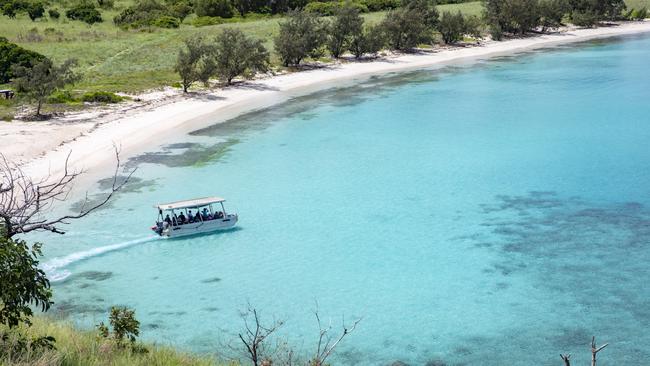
column 196, row 216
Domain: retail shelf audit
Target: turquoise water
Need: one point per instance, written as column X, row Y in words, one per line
column 486, row 215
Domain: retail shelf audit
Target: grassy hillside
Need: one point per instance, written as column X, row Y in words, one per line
column 113, row 59
column 85, row 348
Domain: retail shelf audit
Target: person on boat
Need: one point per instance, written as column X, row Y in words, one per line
column 175, row 220
column 168, row 220
column 197, row 218
column 218, row 215
column 190, row 217
column 181, row 217
column 205, row 214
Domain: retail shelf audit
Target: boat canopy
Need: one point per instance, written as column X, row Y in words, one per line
column 198, row 202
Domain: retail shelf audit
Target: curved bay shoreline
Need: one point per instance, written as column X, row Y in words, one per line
column 167, row 117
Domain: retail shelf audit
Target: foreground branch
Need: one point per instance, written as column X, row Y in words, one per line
column 24, row 202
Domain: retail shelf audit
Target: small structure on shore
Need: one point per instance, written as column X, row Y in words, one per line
column 7, row 93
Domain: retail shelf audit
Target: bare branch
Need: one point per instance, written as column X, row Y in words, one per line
column 567, row 359
column 25, row 202
column 324, row 350
column 595, row 350
column 255, row 336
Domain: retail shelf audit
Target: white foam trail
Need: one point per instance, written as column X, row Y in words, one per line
column 54, row 268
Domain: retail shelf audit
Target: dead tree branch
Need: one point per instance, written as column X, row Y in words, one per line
column 567, row 359
column 255, row 335
column 25, row 202
column 595, row 350
column 327, row 344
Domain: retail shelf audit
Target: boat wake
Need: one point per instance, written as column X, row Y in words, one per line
column 55, row 268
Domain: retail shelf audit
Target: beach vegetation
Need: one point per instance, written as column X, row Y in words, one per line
column 552, row 12
column 195, row 62
column 84, row 11
column 101, row 97
column 410, row 25
column 453, row 27
column 12, row 55
column 369, row 41
column 214, row 8
column 23, row 285
column 54, row 14
column 38, row 82
column 35, row 10
column 237, row 54
column 346, row 24
column 301, row 35
column 123, row 327
column 638, row 14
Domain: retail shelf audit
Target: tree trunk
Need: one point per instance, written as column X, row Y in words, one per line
column 38, row 108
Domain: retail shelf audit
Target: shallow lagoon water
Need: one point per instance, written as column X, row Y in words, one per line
column 486, row 215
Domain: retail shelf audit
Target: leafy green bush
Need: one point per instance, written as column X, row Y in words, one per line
column 12, row 54
column 101, row 97
column 144, row 13
column 35, row 10
column 378, row 5
column 54, row 14
column 331, row 8
column 639, row 14
column 584, row 18
column 167, row 21
column 106, row 4
column 214, row 8
column 205, row 21
column 61, row 97
column 84, row 12
column 125, row 325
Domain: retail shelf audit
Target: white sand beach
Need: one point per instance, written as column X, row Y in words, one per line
column 163, row 117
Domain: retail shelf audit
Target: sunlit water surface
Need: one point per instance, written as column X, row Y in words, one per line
column 487, row 215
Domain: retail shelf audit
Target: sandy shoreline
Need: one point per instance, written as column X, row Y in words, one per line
column 167, row 116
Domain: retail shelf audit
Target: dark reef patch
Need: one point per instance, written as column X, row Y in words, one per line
column 191, row 154
column 92, row 276
column 211, row 280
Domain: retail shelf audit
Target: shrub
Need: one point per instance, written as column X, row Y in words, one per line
column 142, row 13
column 181, row 10
column 378, row 5
column 206, row 21
column 166, row 21
column 84, row 12
column 551, row 13
column 584, row 18
column 496, row 32
column 12, row 7
column 125, row 325
column 331, row 8
column 214, row 8
column 635, row 14
column 106, row 4
column 451, row 27
column 61, row 97
column 35, row 10
column 301, row 35
column 101, row 97
column 12, row 54
column 194, row 62
column 54, row 14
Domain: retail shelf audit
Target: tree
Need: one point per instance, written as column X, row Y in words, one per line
column 22, row 283
column 25, row 204
column 347, row 23
column 427, row 8
column 214, row 8
column 514, row 16
column 194, row 62
column 11, row 54
column 406, row 28
column 371, row 40
column 44, row 78
column 301, row 35
column 237, row 54
column 451, row 27
column 552, row 12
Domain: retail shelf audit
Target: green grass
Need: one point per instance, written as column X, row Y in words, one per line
column 637, row 4
column 85, row 348
column 116, row 60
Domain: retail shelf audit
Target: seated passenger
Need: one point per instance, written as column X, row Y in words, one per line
column 219, row 215
column 190, row 217
column 168, row 219
column 205, row 214
column 197, row 218
column 182, row 219
column 175, row 220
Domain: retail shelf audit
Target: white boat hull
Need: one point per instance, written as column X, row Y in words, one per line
column 200, row 227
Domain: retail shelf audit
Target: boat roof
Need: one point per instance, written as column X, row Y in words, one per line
column 197, row 202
